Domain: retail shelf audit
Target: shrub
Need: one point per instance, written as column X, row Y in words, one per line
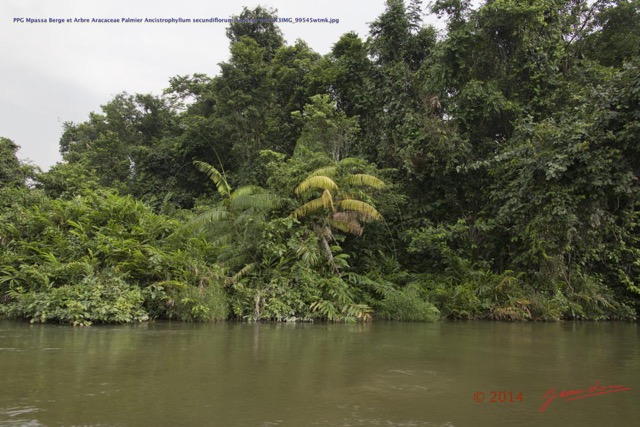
column 407, row 305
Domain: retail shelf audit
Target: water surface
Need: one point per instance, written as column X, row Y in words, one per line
column 264, row 375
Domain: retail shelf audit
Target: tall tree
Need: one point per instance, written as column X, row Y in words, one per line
column 617, row 35
column 258, row 24
column 13, row 173
column 334, row 208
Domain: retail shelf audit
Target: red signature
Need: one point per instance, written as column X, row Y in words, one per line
column 569, row 395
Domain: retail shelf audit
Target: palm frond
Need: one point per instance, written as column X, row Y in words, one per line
column 326, row 171
column 214, row 215
column 327, row 200
column 308, row 251
column 365, row 179
column 345, row 216
column 351, row 227
column 245, row 190
column 231, row 259
column 319, row 181
column 365, row 210
column 261, row 201
column 219, row 179
column 244, row 271
column 223, row 240
column 308, row 208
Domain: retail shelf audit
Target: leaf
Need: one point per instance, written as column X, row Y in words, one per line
column 171, row 284
column 244, row 271
column 217, row 214
column 75, row 225
column 364, row 179
column 247, row 190
column 352, row 227
column 308, row 208
column 219, row 179
column 346, row 221
column 322, row 182
column 327, row 200
column 351, row 161
column 254, row 201
column 223, row 240
column 326, row 171
column 365, row 210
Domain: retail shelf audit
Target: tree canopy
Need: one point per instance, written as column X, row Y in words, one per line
column 486, row 171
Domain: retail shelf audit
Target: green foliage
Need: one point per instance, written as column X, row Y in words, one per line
column 105, row 298
column 234, row 224
column 66, row 180
column 502, row 154
column 335, row 209
column 13, row 173
column 617, row 37
column 337, row 302
column 133, row 145
column 55, row 251
column 218, row 179
column 407, row 305
column 179, row 301
column 259, row 25
column 325, row 129
column 484, row 295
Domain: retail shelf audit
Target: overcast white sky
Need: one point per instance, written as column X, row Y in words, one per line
column 51, row 73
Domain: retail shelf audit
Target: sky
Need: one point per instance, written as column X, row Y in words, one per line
column 51, row 72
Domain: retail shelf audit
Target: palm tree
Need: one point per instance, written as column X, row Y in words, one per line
column 236, row 220
column 333, row 209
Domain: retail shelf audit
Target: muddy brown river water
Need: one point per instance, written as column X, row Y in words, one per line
column 227, row 374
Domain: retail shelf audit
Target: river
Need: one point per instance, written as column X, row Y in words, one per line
column 267, row 375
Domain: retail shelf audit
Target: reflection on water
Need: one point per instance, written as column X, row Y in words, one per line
column 380, row 374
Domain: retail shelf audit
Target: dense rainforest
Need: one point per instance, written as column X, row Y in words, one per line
column 485, row 171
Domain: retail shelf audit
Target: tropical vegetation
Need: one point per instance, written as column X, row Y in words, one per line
column 488, row 170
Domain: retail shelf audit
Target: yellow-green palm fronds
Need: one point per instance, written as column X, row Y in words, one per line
column 327, row 200
column 365, row 210
column 365, row 180
column 308, row 208
column 326, row 171
column 319, row 181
